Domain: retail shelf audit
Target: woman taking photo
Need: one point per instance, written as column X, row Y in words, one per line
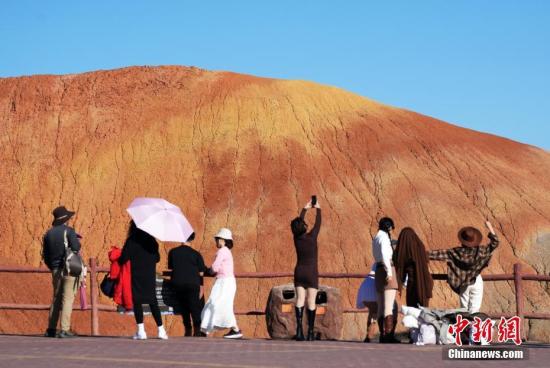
column 218, row 311
column 306, row 274
column 412, row 265
column 142, row 251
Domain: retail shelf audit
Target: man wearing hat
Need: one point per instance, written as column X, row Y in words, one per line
column 64, row 286
column 465, row 263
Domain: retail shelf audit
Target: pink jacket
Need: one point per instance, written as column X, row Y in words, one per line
column 223, row 264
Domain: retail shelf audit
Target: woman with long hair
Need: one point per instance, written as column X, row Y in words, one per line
column 412, row 265
column 218, row 312
column 142, row 251
column 306, row 274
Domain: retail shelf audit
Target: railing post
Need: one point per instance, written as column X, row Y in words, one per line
column 519, row 295
column 93, row 296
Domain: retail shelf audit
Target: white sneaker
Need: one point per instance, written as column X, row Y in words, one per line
column 140, row 336
column 162, row 334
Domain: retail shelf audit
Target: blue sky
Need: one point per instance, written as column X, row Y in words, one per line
column 481, row 64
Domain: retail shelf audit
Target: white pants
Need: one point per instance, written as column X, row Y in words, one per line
column 472, row 297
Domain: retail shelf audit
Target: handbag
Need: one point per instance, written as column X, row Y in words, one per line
column 107, row 286
column 74, row 265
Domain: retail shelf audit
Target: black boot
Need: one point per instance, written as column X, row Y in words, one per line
column 382, row 338
column 299, row 326
column 389, row 332
column 311, row 324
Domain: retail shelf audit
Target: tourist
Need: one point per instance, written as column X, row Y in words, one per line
column 188, row 268
column 218, row 311
column 385, row 280
column 412, row 265
column 366, row 298
column 142, row 251
column 306, row 273
column 64, row 286
column 465, row 263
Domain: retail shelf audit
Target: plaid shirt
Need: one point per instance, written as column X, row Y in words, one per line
column 464, row 264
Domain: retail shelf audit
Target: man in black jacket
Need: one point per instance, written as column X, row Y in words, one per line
column 188, row 269
column 64, row 286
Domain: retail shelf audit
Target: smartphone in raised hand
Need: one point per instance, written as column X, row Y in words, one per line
column 313, row 200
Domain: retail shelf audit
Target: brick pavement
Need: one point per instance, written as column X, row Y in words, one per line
column 103, row 352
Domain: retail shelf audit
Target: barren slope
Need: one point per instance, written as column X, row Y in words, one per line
column 245, row 152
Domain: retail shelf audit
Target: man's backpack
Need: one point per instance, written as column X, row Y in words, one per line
column 74, row 265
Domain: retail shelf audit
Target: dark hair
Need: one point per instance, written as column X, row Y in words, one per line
column 135, row 232
column 228, row 242
column 386, row 224
column 411, row 248
column 132, row 229
column 191, row 237
column 298, row 226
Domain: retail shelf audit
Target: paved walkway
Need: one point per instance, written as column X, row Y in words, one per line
column 106, row 352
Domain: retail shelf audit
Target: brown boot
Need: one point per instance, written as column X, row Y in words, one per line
column 389, row 335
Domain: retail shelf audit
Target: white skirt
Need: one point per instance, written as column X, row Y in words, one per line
column 218, row 311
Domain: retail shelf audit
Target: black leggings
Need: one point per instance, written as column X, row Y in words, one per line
column 155, row 311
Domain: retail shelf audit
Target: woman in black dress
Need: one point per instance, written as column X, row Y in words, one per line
column 142, row 251
column 306, row 274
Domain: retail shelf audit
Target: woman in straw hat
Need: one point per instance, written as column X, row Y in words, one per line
column 218, row 311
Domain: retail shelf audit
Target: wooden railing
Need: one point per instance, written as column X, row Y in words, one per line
column 94, row 270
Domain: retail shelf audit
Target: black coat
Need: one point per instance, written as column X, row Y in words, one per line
column 53, row 245
column 142, row 250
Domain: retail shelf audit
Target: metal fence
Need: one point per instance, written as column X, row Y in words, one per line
column 518, row 277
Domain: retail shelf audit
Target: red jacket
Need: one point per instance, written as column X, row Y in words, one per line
column 123, row 276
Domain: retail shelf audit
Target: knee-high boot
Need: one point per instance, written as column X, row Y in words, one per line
column 389, row 337
column 311, row 324
column 299, row 329
column 380, row 322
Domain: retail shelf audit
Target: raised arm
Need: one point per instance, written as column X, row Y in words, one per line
column 493, row 244
column 317, row 226
column 494, row 241
column 304, row 210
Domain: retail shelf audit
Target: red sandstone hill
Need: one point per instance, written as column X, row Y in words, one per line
column 246, row 152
